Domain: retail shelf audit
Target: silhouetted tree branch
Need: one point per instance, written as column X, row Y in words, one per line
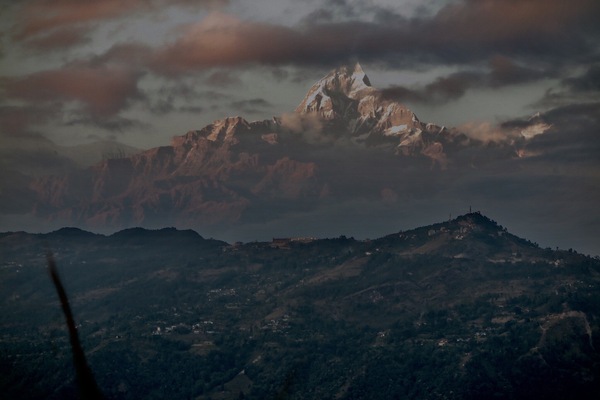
column 88, row 387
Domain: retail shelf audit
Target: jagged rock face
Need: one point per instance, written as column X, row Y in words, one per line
column 209, row 176
column 336, row 95
column 346, row 94
column 346, row 99
column 215, row 174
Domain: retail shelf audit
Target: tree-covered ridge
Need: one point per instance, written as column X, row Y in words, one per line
column 458, row 310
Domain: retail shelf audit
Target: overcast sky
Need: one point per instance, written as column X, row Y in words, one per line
column 142, row 71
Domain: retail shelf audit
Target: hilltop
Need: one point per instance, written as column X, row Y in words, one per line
column 460, row 309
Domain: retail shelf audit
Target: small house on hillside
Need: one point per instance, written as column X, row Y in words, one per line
column 281, row 243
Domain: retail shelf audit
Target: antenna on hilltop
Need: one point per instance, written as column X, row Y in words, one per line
column 469, row 209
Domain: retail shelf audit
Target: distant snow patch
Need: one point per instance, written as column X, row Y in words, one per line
column 534, row 130
column 396, row 129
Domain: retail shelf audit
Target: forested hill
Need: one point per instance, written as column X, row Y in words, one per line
column 462, row 309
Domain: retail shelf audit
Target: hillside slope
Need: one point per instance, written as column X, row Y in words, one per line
column 461, row 309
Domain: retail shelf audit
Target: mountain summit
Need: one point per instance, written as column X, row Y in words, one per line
column 234, row 171
column 330, row 95
column 350, row 106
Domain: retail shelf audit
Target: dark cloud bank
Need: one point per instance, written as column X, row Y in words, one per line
column 493, row 43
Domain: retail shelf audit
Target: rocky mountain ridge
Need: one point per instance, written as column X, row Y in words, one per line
column 215, row 175
column 346, row 99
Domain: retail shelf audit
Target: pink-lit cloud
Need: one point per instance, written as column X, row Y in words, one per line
column 59, row 38
column 498, row 20
column 42, row 16
column 464, row 31
column 52, row 22
column 103, row 91
column 468, row 32
column 222, row 39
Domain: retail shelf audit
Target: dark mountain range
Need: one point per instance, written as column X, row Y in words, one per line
column 345, row 141
column 461, row 309
column 25, row 159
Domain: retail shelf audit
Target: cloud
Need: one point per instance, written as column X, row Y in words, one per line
column 501, row 71
column 183, row 89
column 308, row 126
column 39, row 17
column 59, row 38
column 279, row 74
column 506, row 34
column 162, row 106
column 464, row 32
column 222, row 79
column 574, row 137
column 521, row 26
column 181, row 95
column 103, row 91
column 221, row 39
column 498, row 19
column 581, row 89
column 53, row 23
column 588, row 82
column 113, row 123
column 566, row 130
column 210, row 4
column 225, row 40
column 251, row 106
column 441, row 90
column 350, row 11
column 569, row 135
column 191, row 109
column 17, row 121
column 488, row 132
column 505, row 71
column 451, row 87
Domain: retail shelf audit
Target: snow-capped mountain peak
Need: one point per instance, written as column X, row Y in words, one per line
column 351, row 106
column 330, row 94
column 359, row 80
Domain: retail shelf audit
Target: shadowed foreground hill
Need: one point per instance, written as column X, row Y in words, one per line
column 457, row 310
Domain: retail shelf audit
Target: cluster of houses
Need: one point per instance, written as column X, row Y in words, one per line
column 198, row 328
column 285, row 243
